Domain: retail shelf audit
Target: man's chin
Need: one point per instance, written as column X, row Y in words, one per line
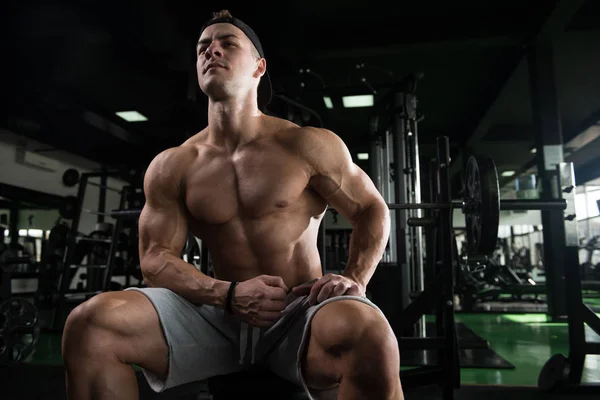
column 213, row 84
column 213, row 92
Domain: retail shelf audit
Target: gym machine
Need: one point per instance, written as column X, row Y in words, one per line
column 396, row 174
column 563, row 373
column 19, row 318
column 396, row 170
column 99, row 275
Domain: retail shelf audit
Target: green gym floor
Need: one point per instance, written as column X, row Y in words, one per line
column 525, row 340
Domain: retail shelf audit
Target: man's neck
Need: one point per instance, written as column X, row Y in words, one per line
column 233, row 123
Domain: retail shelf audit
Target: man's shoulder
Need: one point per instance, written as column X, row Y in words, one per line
column 295, row 134
column 174, row 155
column 307, row 139
column 170, row 163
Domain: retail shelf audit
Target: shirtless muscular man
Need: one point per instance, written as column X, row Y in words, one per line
column 254, row 188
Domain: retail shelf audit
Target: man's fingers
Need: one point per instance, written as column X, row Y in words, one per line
column 304, row 289
column 326, row 291
column 316, row 289
column 353, row 291
column 275, row 281
column 339, row 290
column 275, row 293
column 274, row 305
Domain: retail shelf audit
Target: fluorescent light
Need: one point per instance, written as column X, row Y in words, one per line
column 508, row 173
column 365, row 100
column 533, row 150
column 131, row 116
column 36, row 233
column 328, row 102
column 363, row 156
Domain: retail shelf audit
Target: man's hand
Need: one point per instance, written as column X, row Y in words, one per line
column 330, row 285
column 259, row 301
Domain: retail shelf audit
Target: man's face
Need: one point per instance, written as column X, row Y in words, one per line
column 225, row 63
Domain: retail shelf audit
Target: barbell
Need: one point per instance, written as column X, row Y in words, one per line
column 480, row 204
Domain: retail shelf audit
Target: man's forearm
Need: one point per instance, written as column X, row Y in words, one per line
column 170, row 272
column 370, row 235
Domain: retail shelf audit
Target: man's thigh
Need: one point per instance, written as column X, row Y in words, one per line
column 202, row 340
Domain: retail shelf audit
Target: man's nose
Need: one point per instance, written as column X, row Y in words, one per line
column 212, row 51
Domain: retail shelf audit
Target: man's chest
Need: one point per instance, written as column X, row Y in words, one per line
column 250, row 183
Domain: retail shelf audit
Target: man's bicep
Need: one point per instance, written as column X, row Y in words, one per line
column 349, row 192
column 163, row 221
column 336, row 177
column 162, row 229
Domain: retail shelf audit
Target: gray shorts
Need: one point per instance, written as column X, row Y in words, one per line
column 205, row 341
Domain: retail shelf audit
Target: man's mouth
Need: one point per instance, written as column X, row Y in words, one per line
column 211, row 66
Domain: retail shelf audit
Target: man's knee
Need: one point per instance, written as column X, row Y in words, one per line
column 87, row 315
column 86, row 327
column 363, row 344
column 342, row 325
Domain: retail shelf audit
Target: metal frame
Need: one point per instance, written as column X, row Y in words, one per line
column 399, row 110
column 69, row 256
column 579, row 314
column 407, row 190
column 447, row 372
column 439, row 237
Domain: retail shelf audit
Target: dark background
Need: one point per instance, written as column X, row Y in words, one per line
column 68, row 66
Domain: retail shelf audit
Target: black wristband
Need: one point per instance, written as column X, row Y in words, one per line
column 230, row 297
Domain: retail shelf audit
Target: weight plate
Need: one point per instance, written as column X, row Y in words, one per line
column 482, row 205
column 554, row 373
column 70, row 177
column 19, row 332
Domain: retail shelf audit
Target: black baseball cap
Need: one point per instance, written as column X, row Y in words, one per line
column 264, row 90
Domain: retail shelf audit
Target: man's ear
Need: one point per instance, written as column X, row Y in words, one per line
column 261, row 67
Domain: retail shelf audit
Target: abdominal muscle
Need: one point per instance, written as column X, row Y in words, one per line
column 278, row 246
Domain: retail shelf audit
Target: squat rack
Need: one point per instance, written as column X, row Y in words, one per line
column 396, row 154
